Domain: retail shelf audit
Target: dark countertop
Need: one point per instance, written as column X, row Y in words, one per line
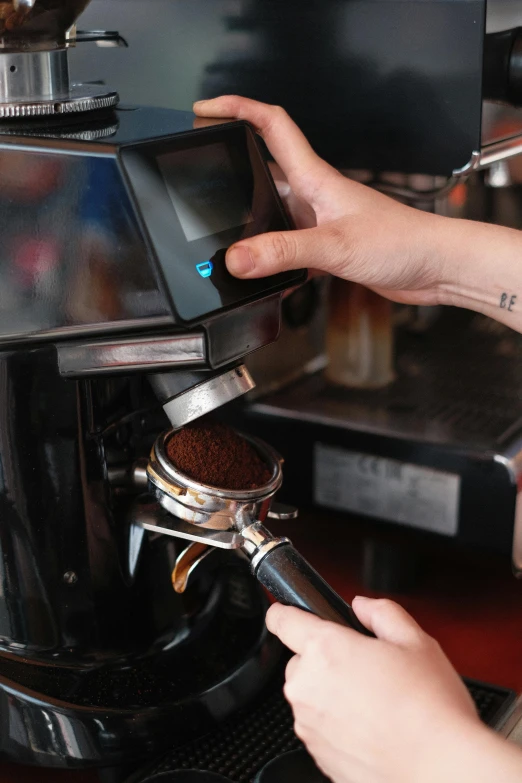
column 468, row 600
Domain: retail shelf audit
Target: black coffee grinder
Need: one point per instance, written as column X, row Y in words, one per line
column 116, row 308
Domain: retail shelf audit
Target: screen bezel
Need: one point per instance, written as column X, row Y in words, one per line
column 267, row 211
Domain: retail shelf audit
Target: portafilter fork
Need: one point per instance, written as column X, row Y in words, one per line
column 233, row 519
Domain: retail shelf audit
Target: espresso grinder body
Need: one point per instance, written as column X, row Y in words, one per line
column 109, row 281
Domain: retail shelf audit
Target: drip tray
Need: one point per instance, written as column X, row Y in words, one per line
column 244, row 747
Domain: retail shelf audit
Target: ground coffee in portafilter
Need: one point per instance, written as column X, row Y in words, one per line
column 214, row 454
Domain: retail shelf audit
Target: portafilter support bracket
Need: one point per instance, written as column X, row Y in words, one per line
column 210, row 517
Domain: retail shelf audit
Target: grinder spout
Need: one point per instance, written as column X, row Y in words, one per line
column 186, row 396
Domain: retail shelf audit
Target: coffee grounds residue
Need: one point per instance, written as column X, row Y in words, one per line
column 215, row 454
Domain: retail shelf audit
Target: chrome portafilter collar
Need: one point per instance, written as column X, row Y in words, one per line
column 208, row 506
column 212, row 518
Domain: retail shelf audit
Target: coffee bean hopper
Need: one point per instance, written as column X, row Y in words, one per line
column 212, row 518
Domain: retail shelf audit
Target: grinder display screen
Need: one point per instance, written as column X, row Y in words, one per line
column 205, row 190
column 199, row 193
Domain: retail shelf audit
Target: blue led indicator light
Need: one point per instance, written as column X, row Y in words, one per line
column 205, row 268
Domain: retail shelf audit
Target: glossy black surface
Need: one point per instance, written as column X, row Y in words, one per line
column 188, row 776
column 503, row 66
column 377, row 85
column 92, row 240
column 255, row 738
column 57, row 516
column 124, row 713
column 295, row 767
column 197, row 196
column 73, row 255
column 100, row 660
column 293, row 582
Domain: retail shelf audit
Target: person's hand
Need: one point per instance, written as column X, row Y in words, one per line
column 356, row 233
column 345, row 228
column 384, row 710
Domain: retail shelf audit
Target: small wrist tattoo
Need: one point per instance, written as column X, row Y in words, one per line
column 508, row 301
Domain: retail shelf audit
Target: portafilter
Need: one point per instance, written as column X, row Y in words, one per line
column 210, row 517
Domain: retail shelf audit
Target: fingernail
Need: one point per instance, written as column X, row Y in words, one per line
column 239, row 261
column 361, row 598
column 198, row 103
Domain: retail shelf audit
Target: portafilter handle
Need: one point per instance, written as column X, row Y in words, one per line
column 292, row 580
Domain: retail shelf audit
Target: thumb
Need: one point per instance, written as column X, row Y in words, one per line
column 267, row 254
column 389, row 621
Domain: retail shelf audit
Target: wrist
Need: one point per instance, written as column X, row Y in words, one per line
column 479, row 267
column 467, row 751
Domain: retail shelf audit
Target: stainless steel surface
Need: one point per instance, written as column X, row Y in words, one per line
column 199, row 509
column 92, row 270
column 510, row 725
column 499, row 150
column 512, row 461
column 89, row 271
column 457, row 384
column 265, row 549
column 155, row 519
column 81, row 98
column 282, row 511
column 106, row 39
column 455, row 406
column 187, row 563
column 210, row 507
column 255, row 536
column 258, row 542
column 491, row 153
column 82, row 134
column 487, row 156
column 124, row 475
column 208, row 395
column 139, row 474
column 517, row 538
column 29, row 77
column 76, row 360
column 468, row 167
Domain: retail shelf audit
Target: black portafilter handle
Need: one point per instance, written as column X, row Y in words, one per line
column 293, row 582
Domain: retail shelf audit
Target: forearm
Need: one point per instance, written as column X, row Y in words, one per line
column 471, row 754
column 482, row 266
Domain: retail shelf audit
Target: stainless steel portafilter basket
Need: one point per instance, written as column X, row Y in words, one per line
column 207, row 506
column 229, row 519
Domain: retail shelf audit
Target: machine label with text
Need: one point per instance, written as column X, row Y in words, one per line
column 386, row 488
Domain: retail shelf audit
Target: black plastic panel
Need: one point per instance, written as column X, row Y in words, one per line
column 242, row 747
column 379, row 84
column 198, row 193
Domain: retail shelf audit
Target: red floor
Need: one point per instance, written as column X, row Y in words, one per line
column 469, row 601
